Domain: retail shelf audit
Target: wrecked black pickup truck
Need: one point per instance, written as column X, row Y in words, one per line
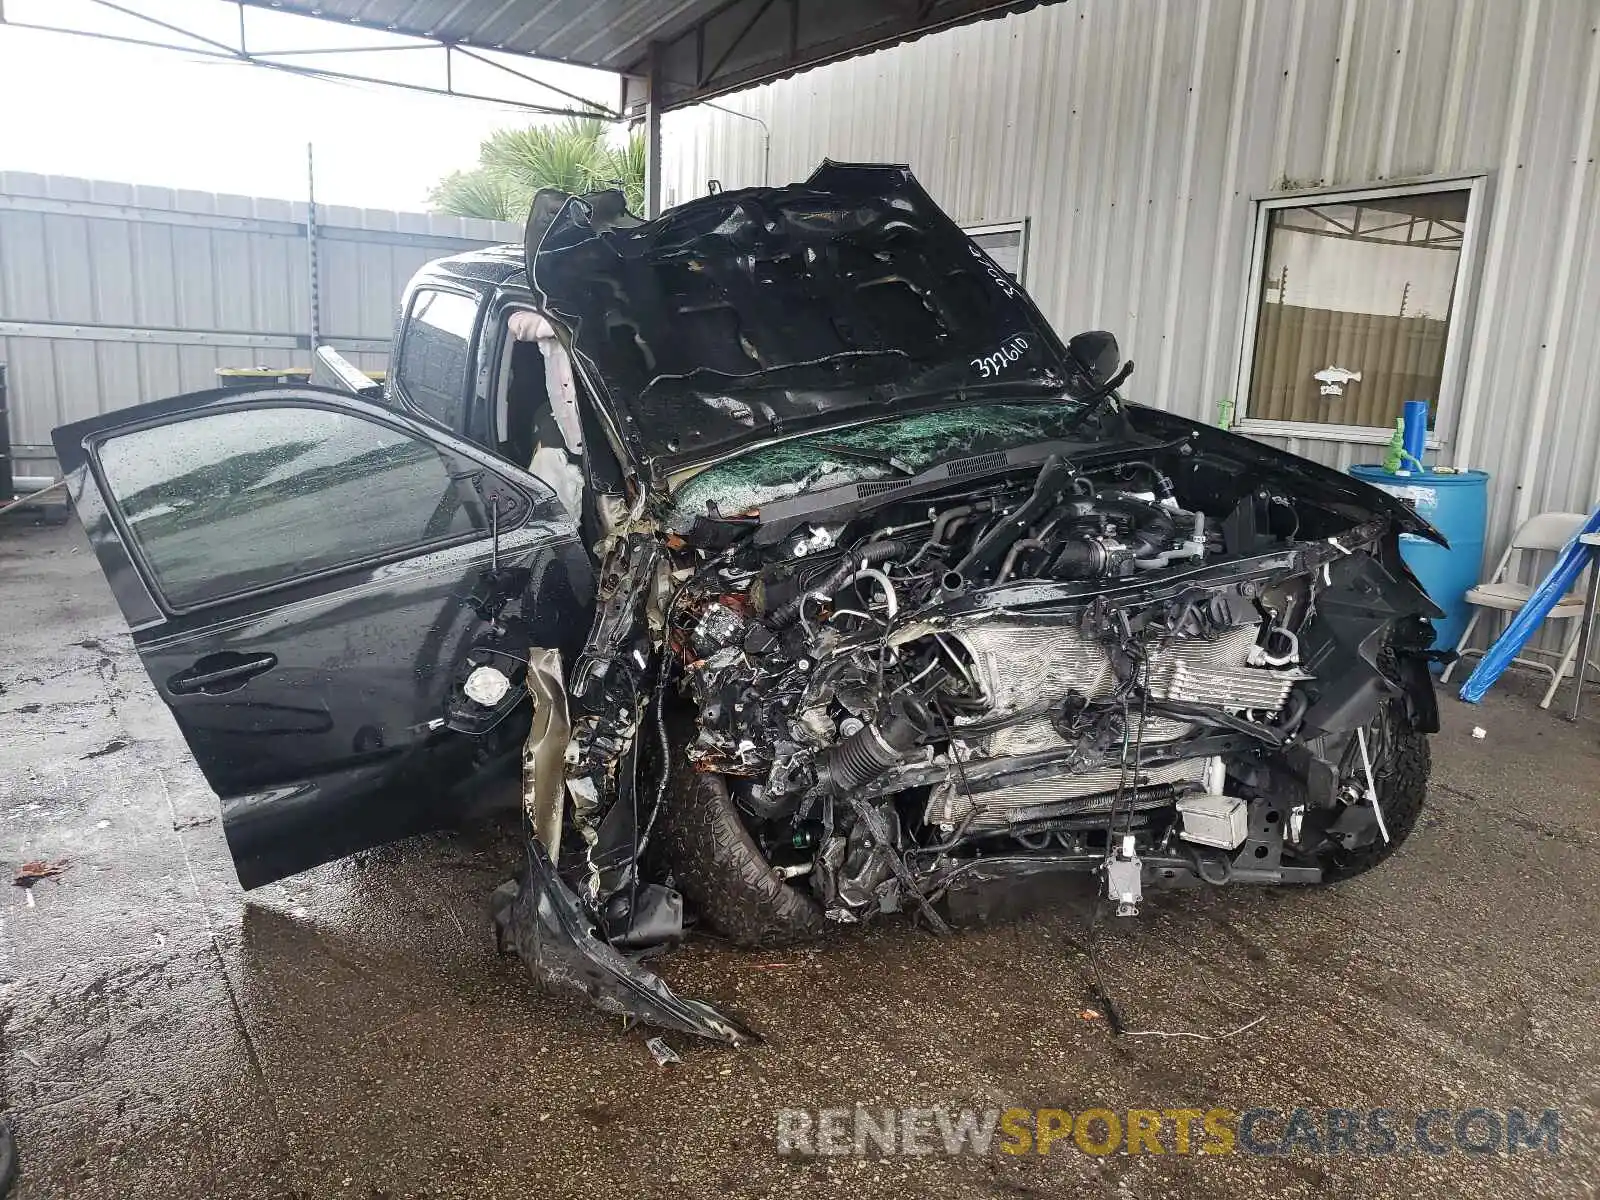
column 788, row 569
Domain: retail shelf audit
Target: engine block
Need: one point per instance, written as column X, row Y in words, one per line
column 1023, row 664
column 1029, row 665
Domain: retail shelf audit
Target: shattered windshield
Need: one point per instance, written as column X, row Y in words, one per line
column 899, row 447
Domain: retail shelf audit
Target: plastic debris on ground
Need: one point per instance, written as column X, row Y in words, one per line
column 664, row 1054
column 30, row 873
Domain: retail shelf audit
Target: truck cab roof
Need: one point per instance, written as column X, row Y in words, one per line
column 479, row 270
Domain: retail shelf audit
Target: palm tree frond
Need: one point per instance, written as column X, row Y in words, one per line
column 477, row 193
column 621, row 167
column 574, row 155
column 545, row 155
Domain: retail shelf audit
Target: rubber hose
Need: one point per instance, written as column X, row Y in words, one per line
column 872, row 553
column 1081, row 558
column 1011, row 557
column 874, row 749
column 1054, row 478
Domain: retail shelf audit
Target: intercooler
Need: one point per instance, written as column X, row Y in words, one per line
column 949, row 804
column 1031, row 666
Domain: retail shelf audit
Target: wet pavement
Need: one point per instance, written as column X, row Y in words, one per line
column 352, row 1033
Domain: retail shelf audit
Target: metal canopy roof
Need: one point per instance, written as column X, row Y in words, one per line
column 667, row 53
column 704, row 47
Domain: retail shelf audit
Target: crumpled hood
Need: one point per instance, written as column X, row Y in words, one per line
column 747, row 315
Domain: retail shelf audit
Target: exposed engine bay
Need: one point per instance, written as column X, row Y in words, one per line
column 870, row 678
column 906, row 610
column 1124, row 661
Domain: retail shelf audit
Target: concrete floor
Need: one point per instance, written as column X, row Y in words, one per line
column 351, row 1033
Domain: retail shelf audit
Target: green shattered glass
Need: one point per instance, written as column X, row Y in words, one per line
column 906, row 445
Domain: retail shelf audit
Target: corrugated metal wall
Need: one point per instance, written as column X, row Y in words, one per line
column 111, row 295
column 1134, row 134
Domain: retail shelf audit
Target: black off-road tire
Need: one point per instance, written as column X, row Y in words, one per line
column 1401, row 778
column 722, row 871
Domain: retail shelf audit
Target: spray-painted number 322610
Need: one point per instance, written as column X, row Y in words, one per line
column 990, row 365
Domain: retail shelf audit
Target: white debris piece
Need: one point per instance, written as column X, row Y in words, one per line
column 661, row 1052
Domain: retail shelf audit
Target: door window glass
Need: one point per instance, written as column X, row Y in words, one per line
column 233, row 501
column 433, row 369
column 1355, row 306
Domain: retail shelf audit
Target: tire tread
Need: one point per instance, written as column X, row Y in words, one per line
column 1402, row 788
column 723, row 872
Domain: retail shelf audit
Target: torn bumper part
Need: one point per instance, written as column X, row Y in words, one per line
column 540, row 918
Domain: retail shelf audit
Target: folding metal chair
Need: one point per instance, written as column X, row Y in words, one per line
column 1547, row 532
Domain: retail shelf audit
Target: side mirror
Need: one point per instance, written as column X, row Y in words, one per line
column 1096, row 355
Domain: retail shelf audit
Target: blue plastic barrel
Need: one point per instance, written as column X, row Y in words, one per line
column 1458, row 506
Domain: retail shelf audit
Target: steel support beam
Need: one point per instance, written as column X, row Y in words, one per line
column 8, row 489
column 313, row 279
column 652, row 132
column 200, row 46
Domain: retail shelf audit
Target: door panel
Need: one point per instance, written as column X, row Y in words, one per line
column 218, row 674
column 296, row 566
column 339, row 746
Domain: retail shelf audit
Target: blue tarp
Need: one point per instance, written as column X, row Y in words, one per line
column 1568, row 566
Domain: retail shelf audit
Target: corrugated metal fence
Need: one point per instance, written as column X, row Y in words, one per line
column 1134, row 134
column 112, row 295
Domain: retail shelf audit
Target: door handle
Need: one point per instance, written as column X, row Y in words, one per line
column 217, row 673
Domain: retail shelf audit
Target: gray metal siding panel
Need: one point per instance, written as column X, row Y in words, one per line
column 152, row 259
column 1134, row 133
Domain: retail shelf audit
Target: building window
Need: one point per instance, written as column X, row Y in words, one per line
column 1004, row 241
column 1356, row 308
